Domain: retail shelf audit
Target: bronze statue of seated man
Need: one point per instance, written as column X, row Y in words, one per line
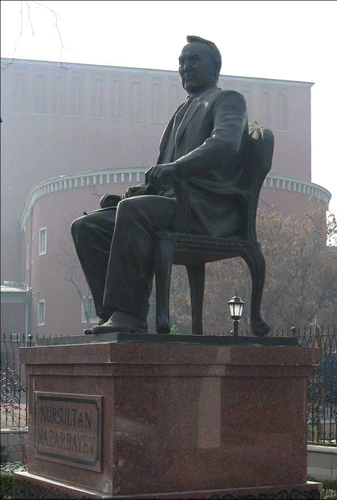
column 204, row 144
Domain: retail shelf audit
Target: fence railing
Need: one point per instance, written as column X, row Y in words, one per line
column 322, row 385
column 14, row 383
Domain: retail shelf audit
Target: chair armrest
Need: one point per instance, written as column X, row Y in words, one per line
column 181, row 191
column 182, row 218
column 109, row 200
column 260, row 150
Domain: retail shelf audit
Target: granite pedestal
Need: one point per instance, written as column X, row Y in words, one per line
column 114, row 417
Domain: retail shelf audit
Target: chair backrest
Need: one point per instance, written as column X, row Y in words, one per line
column 257, row 164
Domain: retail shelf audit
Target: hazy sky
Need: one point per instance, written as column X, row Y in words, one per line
column 266, row 39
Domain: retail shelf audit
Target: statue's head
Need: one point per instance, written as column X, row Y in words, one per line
column 199, row 64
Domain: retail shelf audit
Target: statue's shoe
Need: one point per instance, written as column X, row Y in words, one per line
column 89, row 331
column 121, row 322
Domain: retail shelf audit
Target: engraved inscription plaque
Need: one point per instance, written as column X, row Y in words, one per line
column 68, row 429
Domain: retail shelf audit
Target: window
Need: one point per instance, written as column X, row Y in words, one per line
column 77, row 109
column 155, row 110
column 88, row 312
column 173, row 97
column 42, row 240
column 41, row 312
column 97, row 99
column 58, row 101
column 265, row 108
column 282, row 111
column 135, row 102
column 19, row 93
column 116, row 100
column 247, row 94
column 40, row 95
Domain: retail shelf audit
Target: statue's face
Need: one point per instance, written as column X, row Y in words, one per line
column 196, row 68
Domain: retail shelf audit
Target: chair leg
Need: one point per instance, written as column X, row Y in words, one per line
column 256, row 263
column 196, row 277
column 163, row 268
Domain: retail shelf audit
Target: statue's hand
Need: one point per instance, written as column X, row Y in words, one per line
column 134, row 191
column 159, row 176
column 255, row 130
column 109, row 200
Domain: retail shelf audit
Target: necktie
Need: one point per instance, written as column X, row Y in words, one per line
column 170, row 147
column 180, row 115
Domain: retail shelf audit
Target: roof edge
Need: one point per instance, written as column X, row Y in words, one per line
column 62, row 65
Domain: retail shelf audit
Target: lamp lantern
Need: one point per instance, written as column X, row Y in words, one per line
column 236, row 307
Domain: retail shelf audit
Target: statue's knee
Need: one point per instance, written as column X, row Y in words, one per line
column 73, row 227
column 126, row 210
column 77, row 226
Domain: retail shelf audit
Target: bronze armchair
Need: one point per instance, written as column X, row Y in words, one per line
column 193, row 251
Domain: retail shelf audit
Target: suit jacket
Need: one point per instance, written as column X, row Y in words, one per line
column 209, row 150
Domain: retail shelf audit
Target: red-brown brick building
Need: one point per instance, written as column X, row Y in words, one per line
column 72, row 132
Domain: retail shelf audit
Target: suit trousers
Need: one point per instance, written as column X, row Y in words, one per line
column 115, row 247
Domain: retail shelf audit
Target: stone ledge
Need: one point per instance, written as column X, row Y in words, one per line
column 30, row 486
column 154, row 338
column 322, row 449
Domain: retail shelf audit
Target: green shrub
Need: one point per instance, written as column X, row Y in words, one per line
column 7, row 478
column 329, row 494
column 329, row 487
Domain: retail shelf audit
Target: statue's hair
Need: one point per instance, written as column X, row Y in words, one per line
column 215, row 53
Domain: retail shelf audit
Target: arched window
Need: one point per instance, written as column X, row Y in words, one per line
column 282, row 111
column 77, row 97
column 40, row 95
column 97, row 101
column 19, row 93
column 58, row 100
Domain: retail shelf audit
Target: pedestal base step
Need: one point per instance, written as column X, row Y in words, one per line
column 29, row 487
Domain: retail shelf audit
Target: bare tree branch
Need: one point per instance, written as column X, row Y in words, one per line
column 56, row 16
column 29, row 18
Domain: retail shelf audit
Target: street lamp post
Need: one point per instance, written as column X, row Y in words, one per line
column 236, row 307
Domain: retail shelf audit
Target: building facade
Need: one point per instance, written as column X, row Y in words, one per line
column 73, row 132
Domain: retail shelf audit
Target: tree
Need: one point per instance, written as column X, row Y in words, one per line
column 67, row 261
column 301, row 276
column 27, row 23
column 301, row 279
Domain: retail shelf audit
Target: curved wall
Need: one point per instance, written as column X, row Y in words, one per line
column 72, row 133
column 55, row 203
column 62, row 120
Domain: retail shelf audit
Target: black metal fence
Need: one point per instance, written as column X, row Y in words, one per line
column 322, row 385
column 14, row 399
column 14, row 383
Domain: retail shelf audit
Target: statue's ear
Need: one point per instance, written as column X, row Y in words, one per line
column 217, row 68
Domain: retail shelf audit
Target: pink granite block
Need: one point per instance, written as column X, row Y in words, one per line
column 178, row 418
column 29, row 486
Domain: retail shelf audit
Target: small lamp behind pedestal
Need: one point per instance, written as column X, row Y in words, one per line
column 236, row 307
